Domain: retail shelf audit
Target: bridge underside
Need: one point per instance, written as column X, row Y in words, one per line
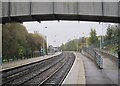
column 50, row 17
column 45, row 11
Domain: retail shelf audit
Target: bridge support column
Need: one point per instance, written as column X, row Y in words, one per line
column 0, row 53
column 0, row 43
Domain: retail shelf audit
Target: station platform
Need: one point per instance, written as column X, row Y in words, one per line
column 77, row 73
column 85, row 72
column 108, row 76
column 10, row 65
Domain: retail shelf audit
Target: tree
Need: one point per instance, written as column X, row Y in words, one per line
column 93, row 39
column 73, row 45
column 112, row 34
column 109, row 33
column 18, row 43
column 14, row 40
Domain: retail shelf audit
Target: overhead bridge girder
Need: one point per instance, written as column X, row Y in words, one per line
column 45, row 11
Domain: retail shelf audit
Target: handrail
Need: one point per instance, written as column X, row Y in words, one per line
column 96, row 56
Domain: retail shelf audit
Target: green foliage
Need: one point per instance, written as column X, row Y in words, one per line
column 14, row 35
column 113, row 32
column 72, row 45
column 18, row 43
column 109, row 33
column 93, row 39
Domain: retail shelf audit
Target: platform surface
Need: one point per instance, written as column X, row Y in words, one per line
column 77, row 73
column 107, row 76
column 6, row 66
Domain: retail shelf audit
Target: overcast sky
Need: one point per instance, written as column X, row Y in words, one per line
column 60, row 32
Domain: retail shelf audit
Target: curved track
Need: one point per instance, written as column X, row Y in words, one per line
column 41, row 72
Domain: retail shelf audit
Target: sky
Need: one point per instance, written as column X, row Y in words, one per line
column 63, row 31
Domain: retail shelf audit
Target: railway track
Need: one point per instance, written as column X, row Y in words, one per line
column 39, row 73
column 13, row 74
column 59, row 75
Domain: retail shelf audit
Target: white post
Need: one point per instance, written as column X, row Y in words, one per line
column 102, row 38
column 100, row 42
column 84, row 41
column 77, row 45
column 44, row 40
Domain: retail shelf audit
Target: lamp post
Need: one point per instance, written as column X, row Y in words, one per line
column 100, row 42
column 76, row 43
column 84, row 41
column 102, row 36
column 54, row 43
column 44, row 40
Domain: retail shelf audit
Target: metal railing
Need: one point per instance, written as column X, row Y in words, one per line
column 95, row 56
column 109, row 52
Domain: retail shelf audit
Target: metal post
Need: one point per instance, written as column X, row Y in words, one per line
column 77, row 45
column 102, row 39
column 84, row 41
column 0, row 44
column 100, row 45
column 0, row 37
column 0, row 52
column 100, row 42
column 118, row 37
column 44, row 40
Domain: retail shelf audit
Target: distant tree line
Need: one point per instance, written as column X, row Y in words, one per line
column 74, row 45
column 113, row 32
column 17, row 43
column 70, row 45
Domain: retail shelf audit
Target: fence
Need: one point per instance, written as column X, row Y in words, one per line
column 95, row 56
column 11, row 59
column 109, row 52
